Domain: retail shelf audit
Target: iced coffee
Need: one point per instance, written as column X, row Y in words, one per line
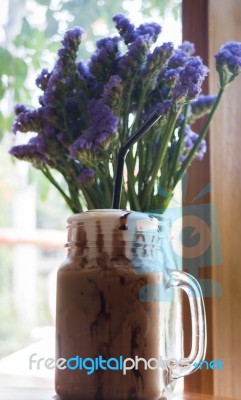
column 115, row 319
column 102, row 317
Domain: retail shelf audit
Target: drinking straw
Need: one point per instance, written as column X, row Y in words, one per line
column 151, row 120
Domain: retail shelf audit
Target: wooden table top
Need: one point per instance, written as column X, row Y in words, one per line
column 48, row 394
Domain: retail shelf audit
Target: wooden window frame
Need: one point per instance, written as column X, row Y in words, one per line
column 209, row 24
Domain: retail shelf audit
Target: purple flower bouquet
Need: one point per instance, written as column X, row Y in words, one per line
column 88, row 110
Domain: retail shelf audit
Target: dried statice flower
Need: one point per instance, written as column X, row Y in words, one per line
column 89, row 109
column 86, row 177
column 188, row 48
column 201, row 106
column 163, row 107
column 158, row 58
column 101, row 131
column 102, row 62
column 130, row 64
column 190, row 80
column 72, row 39
column 228, row 62
column 28, row 120
column 190, row 138
column 152, row 30
column 178, row 59
column 125, row 28
column 171, row 76
column 34, row 151
column 42, row 79
column 112, row 93
column 20, row 108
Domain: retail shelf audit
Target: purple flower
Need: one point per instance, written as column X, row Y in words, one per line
column 55, row 83
column 171, row 76
column 62, row 137
column 131, row 62
column 158, row 58
column 163, row 107
column 80, row 147
column 102, row 129
column 103, row 61
column 39, row 143
column 72, row 38
column 102, row 120
column 83, row 69
column 109, row 44
column 187, row 47
column 201, row 106
column 49, row 131
column 152, row 30
column 113, row 83
column 34, row 151
column 178, row 59
column 67, row 55
column 112, row 92
column 190, row 138
column 86, row 177
column 190, row 80
column 23, row 151
column 201, row 150
column 129, row 33
column 125, row 27
column 20, row 108
column 49, row 112
column 29, row 120
column 228, row 62
column 42, row 79
column 41, row 100
column 189, row 135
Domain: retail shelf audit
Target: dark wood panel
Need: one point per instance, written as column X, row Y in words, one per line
column 210, row 23
column 195, row 29
column 225, row 25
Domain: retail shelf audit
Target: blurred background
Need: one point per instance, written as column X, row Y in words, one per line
column 32, row 214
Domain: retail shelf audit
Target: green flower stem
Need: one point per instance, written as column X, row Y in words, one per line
column 127, row 108
column 164, row 171
column 201, row 136
column 68, row 170
column 130, row 163
column 163, row 202
column 51, row 179
column 140, row 147
column 140, row 106
column 131, row 159
column 107, row 186
column 161, row 154
column 141, row 156
column 178, row 151
column 88, row 194
column 90, row 164
column 150, row 201
column 133, row 199
column 104, row 174
column 74, row 197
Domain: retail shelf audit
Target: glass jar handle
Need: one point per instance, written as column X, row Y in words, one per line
column 191, row 286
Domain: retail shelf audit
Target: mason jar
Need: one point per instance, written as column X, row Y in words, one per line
column 114, row 292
